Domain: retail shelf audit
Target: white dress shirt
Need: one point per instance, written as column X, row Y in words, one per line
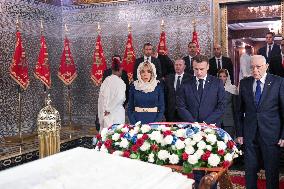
column 149, row 59
column 267, row 48
column 176, row 78
column 220, row 58
column 197, row 82
column 262, row 82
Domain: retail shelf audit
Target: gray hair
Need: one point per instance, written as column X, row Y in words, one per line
column 258, row 58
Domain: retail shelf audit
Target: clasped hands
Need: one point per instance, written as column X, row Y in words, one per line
column 240, row 140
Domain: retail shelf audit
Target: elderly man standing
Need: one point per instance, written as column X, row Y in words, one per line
column 173, row 83
column 260, row 126
column 220, row 62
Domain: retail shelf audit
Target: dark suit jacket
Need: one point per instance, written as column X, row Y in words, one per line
column 209, row 109
column 267, row 117
column 275, row 66
column 275, row 51
column 226, row 64
column 124, row 77
column 188, row 68
column 170, row 96
column 154, row 60
column 167, row 65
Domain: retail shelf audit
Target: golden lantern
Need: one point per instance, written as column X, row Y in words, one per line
column 48, row 123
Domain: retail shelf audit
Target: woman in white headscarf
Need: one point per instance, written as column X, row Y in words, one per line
column 228, row 123
column 146, row 96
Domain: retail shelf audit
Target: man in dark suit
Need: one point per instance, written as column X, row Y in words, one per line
column 276, row 65
column 192, row 52
column 220, row 62
column 201, row 99
column 260, row 124
column 270, row 49
column 148, row 51
column 173, row 83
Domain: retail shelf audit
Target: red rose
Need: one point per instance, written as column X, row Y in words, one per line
column 100, row 144
column 98, row 136
column 182, row 139
column 108, row 143
column 184, row 156
column 134, row 148
column 139, row 142
column 154, row 147
column 126, row 154
column 230, row 144
column 226, row 164
column 121, row 135
column 221, row 152
column 205, row 156
column 168, row 132
column 145, row 137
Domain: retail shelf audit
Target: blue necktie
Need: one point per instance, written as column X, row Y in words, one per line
column 200, row 88
column 257, row 92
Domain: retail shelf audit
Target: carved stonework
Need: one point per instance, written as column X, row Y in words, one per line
column 224, row 30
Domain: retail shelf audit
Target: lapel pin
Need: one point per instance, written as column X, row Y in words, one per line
column 269, row 83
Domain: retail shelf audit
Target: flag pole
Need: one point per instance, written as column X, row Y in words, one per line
column 19, row 102
column 44, row 86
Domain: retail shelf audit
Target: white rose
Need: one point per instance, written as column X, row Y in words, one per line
column 115, row 136
column 226, row 138
column 163, row 128
column 103, row 149
column 189, row 150
column 228, row 157
column 136, row 129
column 157, row 136
column 174, row 159
column 187, row 141
column 209, row 147
column 139, row 135
column 180, row 133
column 221, row 145
column 104, row 134
column 211, row 138
column 125, row 129
column 124, row 143
column 145, row 128
column 174, row 147
column 151, row 158
column 199, row 153
column 208, row 130
column 201, row 145
column 180, row 144
column 168, row 139
column 197, row 137
column 137, row 124
column 119, row 126
column 192, row 143
column 145, row 146
column 213, row 160
column 192, row 159
column 163, row 155
column 117, row 153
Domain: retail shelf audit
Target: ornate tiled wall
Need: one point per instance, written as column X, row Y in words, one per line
column 144, row 16
column 29, row 13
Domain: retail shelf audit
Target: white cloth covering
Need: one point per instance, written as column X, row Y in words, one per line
column 111, row 99
column 245, row 70
column 82, row 168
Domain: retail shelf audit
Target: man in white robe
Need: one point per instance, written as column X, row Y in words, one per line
column 111, row 98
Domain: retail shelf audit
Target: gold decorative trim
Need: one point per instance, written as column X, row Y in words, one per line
column 224, row 30
column 282, row 18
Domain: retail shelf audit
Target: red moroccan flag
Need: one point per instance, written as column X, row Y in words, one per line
column 19, row 67
column 195, row 40
column 42, row 70
column 67, row 69
column 129, row 58
column 99, row 64
column 162, row 47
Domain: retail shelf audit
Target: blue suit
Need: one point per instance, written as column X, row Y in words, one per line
column 261, row 126
column 275, row 51
column 210, row 108
column 146, row 100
